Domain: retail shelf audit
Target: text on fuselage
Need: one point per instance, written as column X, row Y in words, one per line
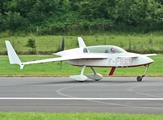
column 120, row 61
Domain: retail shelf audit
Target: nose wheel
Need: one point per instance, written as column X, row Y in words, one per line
column 139, row 78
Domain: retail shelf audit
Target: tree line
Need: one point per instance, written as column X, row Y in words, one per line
column 72, row 16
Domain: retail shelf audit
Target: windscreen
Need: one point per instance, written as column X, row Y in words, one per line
column 103, row 49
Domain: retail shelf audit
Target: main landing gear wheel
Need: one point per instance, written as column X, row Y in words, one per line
column 97, row 79
column 139, row 78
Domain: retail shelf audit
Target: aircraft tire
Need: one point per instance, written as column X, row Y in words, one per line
column 139, row 78
column 97, row 79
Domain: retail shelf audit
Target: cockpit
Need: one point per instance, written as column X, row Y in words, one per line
column 103, row 49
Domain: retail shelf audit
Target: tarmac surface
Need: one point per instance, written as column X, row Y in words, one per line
column 62, row 94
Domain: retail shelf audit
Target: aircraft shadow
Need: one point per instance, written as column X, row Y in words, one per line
column 78, row 82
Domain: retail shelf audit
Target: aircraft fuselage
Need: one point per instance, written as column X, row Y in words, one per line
column 114, row 61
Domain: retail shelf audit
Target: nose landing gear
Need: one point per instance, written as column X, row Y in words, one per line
column 139, row 78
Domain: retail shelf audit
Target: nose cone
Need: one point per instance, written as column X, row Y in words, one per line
column 142, row 60
column 150, row 60
column 145, row 59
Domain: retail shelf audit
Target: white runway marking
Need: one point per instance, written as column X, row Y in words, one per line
column 24, row 98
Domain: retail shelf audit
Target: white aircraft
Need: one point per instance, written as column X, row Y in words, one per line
column 91, row 56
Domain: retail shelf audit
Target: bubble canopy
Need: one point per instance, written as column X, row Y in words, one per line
column 103, row 49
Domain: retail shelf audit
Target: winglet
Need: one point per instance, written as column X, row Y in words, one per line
column 81, row 42
column 13, row 57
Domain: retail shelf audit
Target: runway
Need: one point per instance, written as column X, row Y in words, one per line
column 62, row 94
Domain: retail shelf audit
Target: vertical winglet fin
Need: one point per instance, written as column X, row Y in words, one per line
column 13, row 57
column 81, row 42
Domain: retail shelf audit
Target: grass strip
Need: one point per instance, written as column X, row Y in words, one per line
column 141, row 43
column 76, row 116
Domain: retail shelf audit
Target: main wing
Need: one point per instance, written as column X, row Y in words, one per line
column 14, row 59
column 67, row 57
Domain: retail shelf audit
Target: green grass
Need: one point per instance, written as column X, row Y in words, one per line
column 141, row 43
column 76, row 116
column 54, row 69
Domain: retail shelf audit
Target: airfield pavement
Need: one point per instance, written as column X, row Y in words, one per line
column 62, row 94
